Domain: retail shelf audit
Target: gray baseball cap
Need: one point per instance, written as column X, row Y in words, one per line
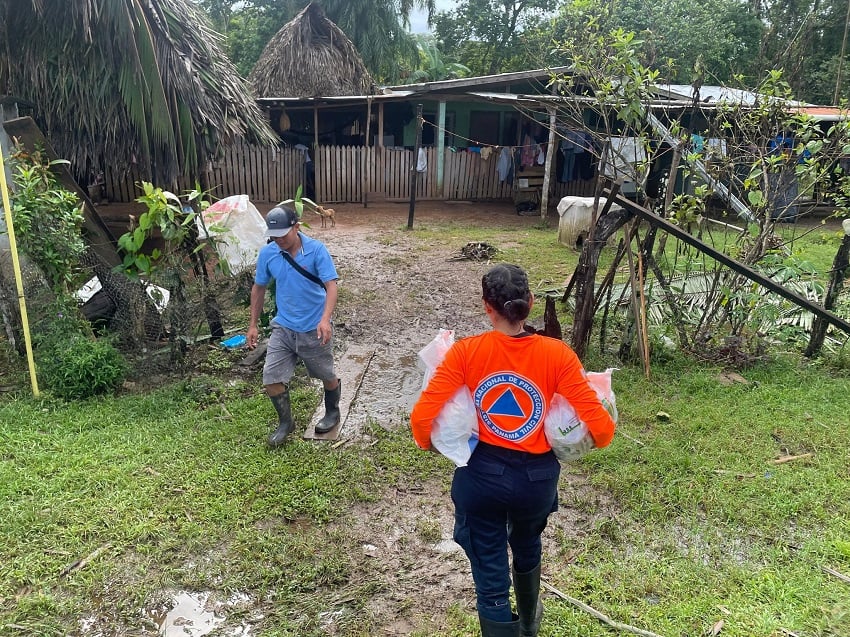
column 280, row 220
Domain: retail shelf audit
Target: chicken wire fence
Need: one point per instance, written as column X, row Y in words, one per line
column 160, row 325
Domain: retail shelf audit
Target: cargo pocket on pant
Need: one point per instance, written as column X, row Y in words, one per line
column 461, row 534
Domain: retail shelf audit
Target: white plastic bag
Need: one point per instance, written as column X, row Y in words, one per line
column 455, row 430
column 238, row 228
column 567, row 435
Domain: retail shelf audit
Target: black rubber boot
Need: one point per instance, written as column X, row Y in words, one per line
column 284, row 414
column 331, row 417
column 528, row 604
column 489, row 628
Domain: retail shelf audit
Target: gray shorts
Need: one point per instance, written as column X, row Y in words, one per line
column 287, row 346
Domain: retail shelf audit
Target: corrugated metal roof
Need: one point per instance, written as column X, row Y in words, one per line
column 481, row 80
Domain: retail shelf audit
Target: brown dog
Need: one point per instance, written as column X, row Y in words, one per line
column 325, row 214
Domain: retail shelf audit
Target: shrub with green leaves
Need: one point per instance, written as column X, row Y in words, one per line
column 48, row 218
column 79, row 367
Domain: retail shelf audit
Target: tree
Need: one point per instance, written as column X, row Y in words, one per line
column 432, row 65
column 720, row 36
column 615, row 90
column 122, row 81
column 489, row 36
column 731, row 41
column 715, row 310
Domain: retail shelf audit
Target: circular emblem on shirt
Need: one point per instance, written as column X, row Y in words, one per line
column 510, row 406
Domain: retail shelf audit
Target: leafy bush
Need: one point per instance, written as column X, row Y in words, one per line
column 61, row 318
column 48, row 218
column 79, row 367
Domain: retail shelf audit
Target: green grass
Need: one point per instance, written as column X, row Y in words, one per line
column 177, row 489
column 686, row 519
column 154, row 482
column 535, row 248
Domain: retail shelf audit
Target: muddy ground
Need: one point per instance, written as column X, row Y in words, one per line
column 395, row 294
column 395, row 297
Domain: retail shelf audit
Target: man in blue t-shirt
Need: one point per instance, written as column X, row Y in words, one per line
column 305, row 294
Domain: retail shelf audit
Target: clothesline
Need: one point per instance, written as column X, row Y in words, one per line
column 514, row 159
column 476, row 142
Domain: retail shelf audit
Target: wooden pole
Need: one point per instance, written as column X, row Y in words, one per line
column 441, row 146
column 319, row 196
column 638, row 302
column 364, row 157
column 414, row 174
column 729, row 262
column 547, row 172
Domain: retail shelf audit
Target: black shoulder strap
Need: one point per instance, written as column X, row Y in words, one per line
column 301, row 270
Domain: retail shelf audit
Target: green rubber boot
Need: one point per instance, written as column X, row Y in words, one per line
column 331, row 417
column 528, row 604
column 284, row 414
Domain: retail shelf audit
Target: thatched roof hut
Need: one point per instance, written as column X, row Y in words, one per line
column 310, row 57
column 139, row 81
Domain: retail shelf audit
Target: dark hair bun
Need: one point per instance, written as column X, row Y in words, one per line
column 505, row 288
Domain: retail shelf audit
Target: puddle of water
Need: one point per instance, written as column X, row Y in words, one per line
column 195, row 615
column 390, row 386
column 189, row 617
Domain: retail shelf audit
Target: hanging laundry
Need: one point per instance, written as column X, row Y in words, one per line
column 304, row 150
column 505, row 164
column 528, row 152
column 421, row 161
column 568, row 164
column 541, row 154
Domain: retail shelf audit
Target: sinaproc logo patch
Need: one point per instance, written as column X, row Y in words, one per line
column 510, row 406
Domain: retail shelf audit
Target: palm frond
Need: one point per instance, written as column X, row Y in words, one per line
column 122, row 82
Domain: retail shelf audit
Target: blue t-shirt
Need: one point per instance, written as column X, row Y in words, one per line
column 300, row 301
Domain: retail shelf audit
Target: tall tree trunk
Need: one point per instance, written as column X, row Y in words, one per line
column 836, row 281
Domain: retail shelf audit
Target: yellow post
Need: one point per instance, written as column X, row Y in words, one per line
column 19, row 283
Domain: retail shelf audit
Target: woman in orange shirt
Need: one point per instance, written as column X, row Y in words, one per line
column 504, row 496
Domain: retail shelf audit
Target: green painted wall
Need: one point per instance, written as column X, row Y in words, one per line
column 458, row 119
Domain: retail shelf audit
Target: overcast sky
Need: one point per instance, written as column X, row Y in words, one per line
column 419, row 19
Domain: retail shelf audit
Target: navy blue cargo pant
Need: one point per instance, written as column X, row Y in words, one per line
column 502, row 497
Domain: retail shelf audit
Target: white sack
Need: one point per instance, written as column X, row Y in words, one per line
column 455, row 430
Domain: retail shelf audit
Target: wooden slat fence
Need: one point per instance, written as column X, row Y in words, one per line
column 263, row 173
column 344, row 174
column 468, row 176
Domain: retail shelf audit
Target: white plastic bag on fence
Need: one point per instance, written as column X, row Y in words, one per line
column 238, row 228
column 455, row 430
column 568, row 435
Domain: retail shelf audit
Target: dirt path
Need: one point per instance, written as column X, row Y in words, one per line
column 396, row 296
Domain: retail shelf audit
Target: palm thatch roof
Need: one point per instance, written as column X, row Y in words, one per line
column 310, row 57
column 117, row 82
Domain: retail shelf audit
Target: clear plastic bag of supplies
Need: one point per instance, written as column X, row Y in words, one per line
column 455, row 430
column 568, row 435
column 238, row 228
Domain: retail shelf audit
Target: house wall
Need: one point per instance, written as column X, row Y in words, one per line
column 352, row 174
column 459, row 123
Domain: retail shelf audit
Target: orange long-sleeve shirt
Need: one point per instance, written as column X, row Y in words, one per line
column 512, row 381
